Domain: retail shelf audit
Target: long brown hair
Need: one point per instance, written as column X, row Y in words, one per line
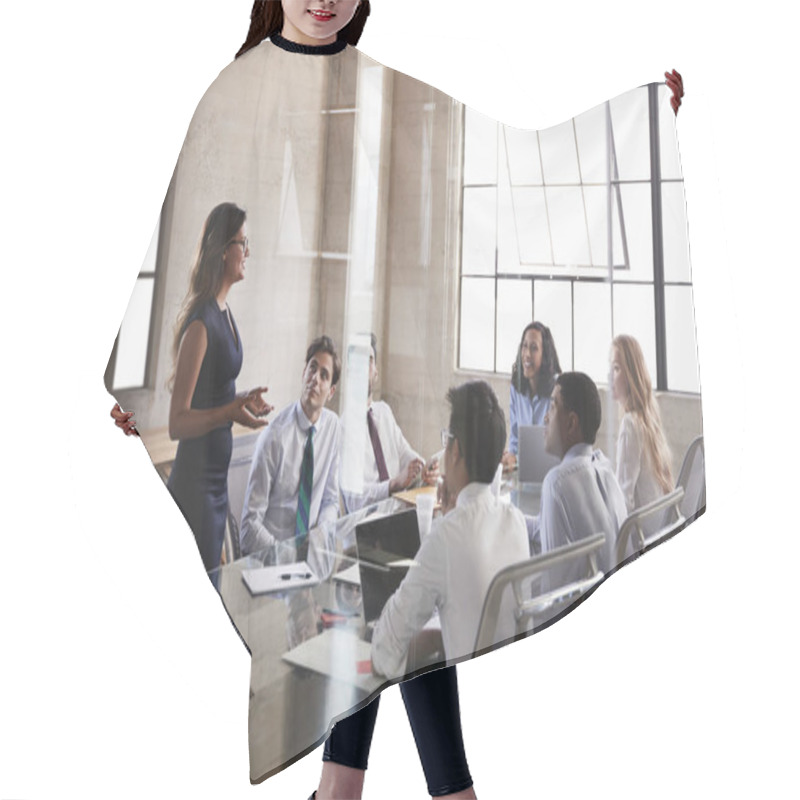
column 205, row 281
column 641, row 402
column 266, row 19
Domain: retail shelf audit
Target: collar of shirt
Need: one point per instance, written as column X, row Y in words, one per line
column 582, row 449
column 303, row 422
column 472, row 491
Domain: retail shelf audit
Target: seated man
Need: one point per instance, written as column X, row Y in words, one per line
column 390, row 463
column 293, row 489
column 580, row 496
column 465, row 549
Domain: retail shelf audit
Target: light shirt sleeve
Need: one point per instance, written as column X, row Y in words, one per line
column 629, row 460
column 409, row 608
column 513, row 436
column 254, row 534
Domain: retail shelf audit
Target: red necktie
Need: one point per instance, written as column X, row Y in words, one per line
column 380, row 461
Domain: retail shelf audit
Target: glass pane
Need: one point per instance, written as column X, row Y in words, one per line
column 477, row 324
column 134, row 335
column 532, row 227
column 590, row 130
column 635, row 315
column 682, row 368
column 676, row 238
column 670, row 157
column 552, row 305
column 523, row 156
column 595, row 199
column 568, row 225
column 149, row 263
column 514, row 312
column 479, row 232
column 592, row 329
column 559, row 156
column 638, row 219
column 508, row 255
column 630, row 121
column 480, row 148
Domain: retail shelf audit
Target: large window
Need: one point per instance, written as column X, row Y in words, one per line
column 581, row 226
column 128, row 366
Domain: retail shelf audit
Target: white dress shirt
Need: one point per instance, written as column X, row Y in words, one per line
column 454, row 566
column 397, row 453
column 634, row 471
column 580, row 498
column 270, row 502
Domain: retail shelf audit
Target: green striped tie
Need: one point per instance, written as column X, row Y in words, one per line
column 304, row 498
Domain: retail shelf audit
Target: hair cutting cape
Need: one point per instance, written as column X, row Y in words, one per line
column 377, row 203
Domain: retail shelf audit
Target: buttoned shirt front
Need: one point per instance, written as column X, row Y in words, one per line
column 270, row 504
column 454, row 566
column 397, row 453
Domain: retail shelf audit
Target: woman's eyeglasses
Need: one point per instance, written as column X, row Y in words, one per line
column 446, row 437
column 245, row 243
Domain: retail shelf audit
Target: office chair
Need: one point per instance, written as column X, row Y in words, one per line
column 633, row 529
column 530, row 610
column 692, row 478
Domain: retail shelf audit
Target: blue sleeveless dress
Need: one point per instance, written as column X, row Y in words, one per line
column 199, row 478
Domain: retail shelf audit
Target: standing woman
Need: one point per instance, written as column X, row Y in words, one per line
column 643, row 455
column 204, row 405
column 532, row 379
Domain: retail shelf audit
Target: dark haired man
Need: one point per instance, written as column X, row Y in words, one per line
column 466, row 548
column 580, row 496
column 390, row 463
column 293, row 489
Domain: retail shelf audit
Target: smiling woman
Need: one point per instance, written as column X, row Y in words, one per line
column 204, row 404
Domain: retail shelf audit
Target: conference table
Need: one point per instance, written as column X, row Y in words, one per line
column 310, row 660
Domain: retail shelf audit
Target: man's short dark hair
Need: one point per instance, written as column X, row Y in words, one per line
column 478, row 422
column 324, row 344
column 579, row 394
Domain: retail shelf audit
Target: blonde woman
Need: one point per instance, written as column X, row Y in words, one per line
column 643, row 456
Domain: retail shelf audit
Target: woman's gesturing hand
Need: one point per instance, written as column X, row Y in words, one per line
column 249, row 408
column 675, row 84
column 124, row 420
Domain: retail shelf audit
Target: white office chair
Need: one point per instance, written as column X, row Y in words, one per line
column 527, row 610
column 666, row 508
column 692, row 478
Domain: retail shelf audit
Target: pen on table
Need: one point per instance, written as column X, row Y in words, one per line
column 300, row 575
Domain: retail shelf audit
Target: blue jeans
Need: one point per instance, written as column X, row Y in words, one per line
column 432, row 706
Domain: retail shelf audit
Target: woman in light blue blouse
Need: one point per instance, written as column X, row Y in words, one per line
column 532, row 378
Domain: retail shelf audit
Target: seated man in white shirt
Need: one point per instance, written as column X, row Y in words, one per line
column 581, row 496
column 293, row 490
column 390, row 463
column 478, row 536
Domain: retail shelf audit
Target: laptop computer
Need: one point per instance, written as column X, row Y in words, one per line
column 386, row 548
column 534, row 462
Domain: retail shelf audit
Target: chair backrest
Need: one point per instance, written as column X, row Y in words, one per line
column 692, row 478
column 666, row 508
column 518, row 577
